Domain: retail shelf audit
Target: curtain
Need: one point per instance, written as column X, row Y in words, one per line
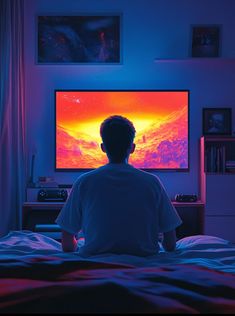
column 12, row 116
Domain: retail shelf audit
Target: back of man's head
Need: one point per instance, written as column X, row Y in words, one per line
column 117, row 134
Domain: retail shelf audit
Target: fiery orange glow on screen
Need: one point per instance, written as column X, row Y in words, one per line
column 160, row 119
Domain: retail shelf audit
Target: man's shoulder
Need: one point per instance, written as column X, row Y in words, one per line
column 130, row 171
column 145, row 174
column 90, row 174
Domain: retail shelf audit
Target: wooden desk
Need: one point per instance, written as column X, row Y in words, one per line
column 191, row 213
column 34, row 213
column 193, row 217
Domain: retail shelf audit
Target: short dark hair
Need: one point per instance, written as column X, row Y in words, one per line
column 117, row 134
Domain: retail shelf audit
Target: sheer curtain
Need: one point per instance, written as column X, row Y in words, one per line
column 12, row 116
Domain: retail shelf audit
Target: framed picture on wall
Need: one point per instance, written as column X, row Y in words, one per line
column 217, row 121
column 80, row 39
column 205, row 40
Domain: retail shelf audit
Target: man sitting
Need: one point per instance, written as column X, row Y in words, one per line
column 120, row 209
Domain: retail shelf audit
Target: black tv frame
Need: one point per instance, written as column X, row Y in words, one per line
column 122, row 90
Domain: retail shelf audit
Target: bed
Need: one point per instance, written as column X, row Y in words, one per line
column 37, row 277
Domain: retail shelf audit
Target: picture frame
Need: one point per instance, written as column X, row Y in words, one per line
column 217, row 121
column 206, row 41
column 79, row 39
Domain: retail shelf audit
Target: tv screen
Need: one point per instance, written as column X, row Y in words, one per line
column 161, row 120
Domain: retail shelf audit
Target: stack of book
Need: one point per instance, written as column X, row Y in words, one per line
column 215, row 159
column 46, row 182
column 230, row 166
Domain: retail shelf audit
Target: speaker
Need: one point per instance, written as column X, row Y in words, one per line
column 186, row 197
column 52, row 195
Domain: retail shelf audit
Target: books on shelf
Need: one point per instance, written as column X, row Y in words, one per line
column 215, row 159
column 230, row 166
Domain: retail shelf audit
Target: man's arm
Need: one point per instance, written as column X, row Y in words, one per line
column 169, row 240
column 69, row 242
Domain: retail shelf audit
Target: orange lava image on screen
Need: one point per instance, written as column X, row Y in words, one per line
column 160, row 119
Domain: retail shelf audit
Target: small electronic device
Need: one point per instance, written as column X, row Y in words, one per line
column 186, row 197
column 52, row 195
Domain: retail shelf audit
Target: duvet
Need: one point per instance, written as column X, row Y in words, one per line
column 37, row 277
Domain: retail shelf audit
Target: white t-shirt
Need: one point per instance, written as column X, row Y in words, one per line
column 120, row 209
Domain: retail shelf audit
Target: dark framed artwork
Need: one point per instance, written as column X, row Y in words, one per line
column 217, row 121
column 206, row 41
column 84, row 39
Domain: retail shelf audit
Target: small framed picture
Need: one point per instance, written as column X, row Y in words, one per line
column 206, row 41
column 217, row 121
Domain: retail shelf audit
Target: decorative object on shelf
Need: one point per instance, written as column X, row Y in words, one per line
column 217, row 121
column 46, row 182
column 186, row 198
column 86, row 39
column 205, row 40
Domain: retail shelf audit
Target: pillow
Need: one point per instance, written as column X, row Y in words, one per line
column 201, row 240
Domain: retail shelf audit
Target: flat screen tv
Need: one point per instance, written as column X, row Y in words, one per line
column 161, row 119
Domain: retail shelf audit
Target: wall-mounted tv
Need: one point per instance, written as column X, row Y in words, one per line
column 161, row 119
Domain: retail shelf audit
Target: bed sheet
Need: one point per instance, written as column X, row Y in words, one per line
column 207, row 251
column 36, row 276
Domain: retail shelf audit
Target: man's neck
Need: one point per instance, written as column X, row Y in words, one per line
column 125, row 161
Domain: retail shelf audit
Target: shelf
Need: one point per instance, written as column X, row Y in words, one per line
column 217, row 187
column 195, row 59
column 40, row 217
column 220, row 173
column 188, row 204
column 219, row 138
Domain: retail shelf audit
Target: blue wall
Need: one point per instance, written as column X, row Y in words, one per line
column 151, row 29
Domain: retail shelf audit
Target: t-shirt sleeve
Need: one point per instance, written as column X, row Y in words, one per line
column 169, row 219
column 69, row 218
